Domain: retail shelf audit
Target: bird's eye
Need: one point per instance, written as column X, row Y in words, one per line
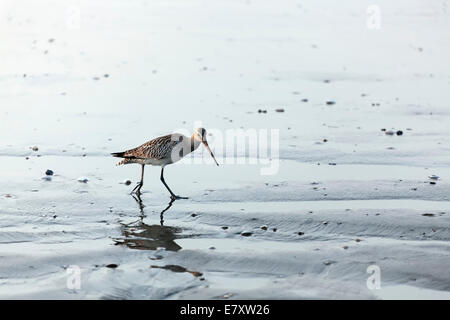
column 180, row 139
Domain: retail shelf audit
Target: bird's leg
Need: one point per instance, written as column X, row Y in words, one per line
column 140, row 184
column 172, row 195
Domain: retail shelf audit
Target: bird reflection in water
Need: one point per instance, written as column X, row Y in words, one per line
column 141, row 236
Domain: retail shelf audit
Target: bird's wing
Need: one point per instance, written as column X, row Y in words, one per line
column 158, row 148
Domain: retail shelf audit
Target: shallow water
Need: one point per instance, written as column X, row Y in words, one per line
column 295, row 236
column 131, row 71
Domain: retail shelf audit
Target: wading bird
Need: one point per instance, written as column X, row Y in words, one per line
column 163, row 151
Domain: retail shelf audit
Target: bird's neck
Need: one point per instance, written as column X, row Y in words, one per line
column 194, row 144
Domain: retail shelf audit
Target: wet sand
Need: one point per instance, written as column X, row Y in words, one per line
column 248, row 241
column 347, row 195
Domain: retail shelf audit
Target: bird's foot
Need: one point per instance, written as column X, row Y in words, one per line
column 137, row 195
column 175, row 197
column 137, row 189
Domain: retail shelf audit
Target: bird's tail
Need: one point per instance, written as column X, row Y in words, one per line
column 124, row 161
column 118, row 154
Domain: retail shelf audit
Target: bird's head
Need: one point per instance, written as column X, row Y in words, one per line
column 200, row 135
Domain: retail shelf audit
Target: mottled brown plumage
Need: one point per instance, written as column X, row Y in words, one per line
column 156, row 150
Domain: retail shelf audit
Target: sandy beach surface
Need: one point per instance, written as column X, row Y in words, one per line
column 362, row 182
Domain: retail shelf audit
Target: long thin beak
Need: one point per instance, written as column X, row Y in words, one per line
column 209, row 150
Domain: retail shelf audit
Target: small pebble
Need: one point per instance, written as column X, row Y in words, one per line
column 83, row 179
column 330, row 103
column 34, row 148
column 279, row 110
column 49, row 172
column 127, row 182
column 112, row 265
column 399, row 132
column 246, row 234
column 264, row 228
column 428, row 215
